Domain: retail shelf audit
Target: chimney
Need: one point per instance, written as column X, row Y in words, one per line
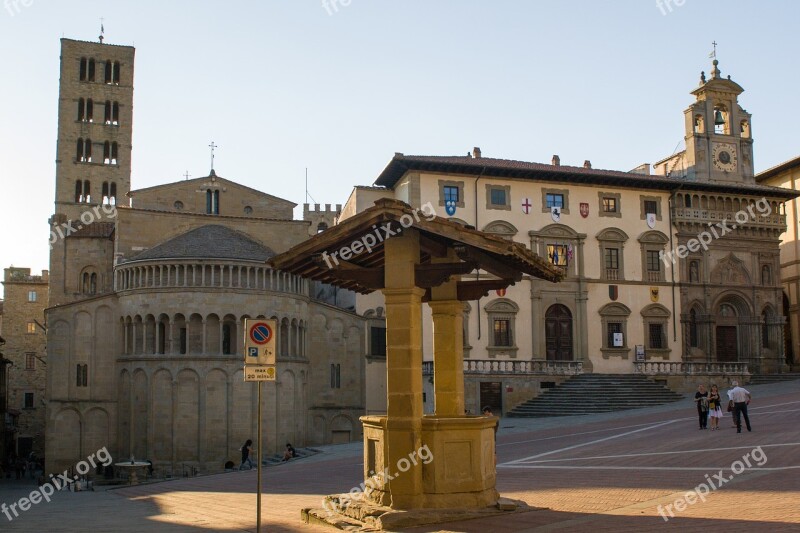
column 556, row 161
column 476, row 152
column 587, row 164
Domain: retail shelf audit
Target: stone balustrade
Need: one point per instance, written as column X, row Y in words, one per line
column 674, row 368
column 493, row 366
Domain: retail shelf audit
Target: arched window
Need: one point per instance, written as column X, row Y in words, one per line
column 93, row 283
column 87, row 151
column 112, row 196
column 87, row 191
column 106, row 153
column 79, row 155
column 115, row 114
column 90, row 75
column 745, row 129
column 105, row 193
column 721, row 121
column 81, row 110
column 209, row 202
column 109, row 66
column 107, row 112
column 226, row 339
column 78, row 191
column 89, row 110
column 216, row 202
column 321, row 227
column 699, row 124
column 114, row 153
column 116, row 72
column 693, row 341
column 83, row 69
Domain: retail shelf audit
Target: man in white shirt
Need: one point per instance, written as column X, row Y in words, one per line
column 741, row 397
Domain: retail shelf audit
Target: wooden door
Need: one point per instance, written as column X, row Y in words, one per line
column 558, row 333
column 727, row 344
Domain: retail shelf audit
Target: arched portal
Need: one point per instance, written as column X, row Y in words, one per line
column 729, row 315
column 558, row 333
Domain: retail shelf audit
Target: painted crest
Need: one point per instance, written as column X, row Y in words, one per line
column 613, row 292
column 584, row 209
column 450, row 207
column 501, row 292
column 526, row 206
column 555, row 213
column 654, row 294
column 651, row 220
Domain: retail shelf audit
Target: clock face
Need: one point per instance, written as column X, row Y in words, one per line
column 724, row 157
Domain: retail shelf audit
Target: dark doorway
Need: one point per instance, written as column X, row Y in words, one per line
column 558, row 333
column 24, row 446
column 727, row 344
column 492, row 395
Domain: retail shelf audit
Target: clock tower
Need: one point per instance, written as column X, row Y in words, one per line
column 719, row 142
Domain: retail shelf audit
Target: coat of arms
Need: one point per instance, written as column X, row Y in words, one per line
column 654, row 294
column 613, row 292
column 584, row 209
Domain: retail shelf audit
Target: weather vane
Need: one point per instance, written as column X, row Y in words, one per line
column 102, row 31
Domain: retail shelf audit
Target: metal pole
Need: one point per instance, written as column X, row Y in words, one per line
column 258, row 458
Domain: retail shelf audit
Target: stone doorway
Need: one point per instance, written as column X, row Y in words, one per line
column 727, row 344
column 558, row 333
column 492, row 396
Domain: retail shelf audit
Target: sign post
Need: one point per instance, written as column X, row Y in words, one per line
column 259, row 366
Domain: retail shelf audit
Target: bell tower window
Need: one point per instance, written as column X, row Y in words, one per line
column 721, row 121
column 699, row 124
column 745, row 129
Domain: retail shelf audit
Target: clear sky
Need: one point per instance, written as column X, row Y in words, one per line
column 284, row 85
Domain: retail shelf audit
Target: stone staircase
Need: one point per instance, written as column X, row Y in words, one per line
column 762, row 379
column 596, row 393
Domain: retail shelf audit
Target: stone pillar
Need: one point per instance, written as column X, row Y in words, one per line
column 448, row 357
column 404, row 367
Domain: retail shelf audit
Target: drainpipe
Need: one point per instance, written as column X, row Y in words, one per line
column 483, row 170
column 672, row 270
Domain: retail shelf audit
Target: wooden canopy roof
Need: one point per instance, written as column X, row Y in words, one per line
column 326, row 256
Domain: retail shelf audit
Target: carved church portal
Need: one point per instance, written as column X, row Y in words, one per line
column 558, row 333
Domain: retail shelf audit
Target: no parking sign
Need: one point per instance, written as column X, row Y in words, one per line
column 259, row 341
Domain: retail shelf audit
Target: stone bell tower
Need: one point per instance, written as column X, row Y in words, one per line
column 719, row 141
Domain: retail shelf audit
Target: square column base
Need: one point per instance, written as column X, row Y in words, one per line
column 457, row 458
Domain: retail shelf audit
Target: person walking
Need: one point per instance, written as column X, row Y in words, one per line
column 714, row 407
column 741, row 399
column 701, row 399
column 247, row 450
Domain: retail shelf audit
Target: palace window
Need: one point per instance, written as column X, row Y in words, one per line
column 377, row 336
column 31, row 327
column 612, row 258
column 614, row 324
column 501, row 314
column 610, row 204
column 451, row 191
column 612, row 261
column 336, row 376
column 554, row 200
column 652, row 245
column 656, row 318
column 557, row 254
column 498, row 197
column 32, row 296
column 30, row 361
column 27, row 402
column 650, row 207
column 656, row 332
column 451, row 194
